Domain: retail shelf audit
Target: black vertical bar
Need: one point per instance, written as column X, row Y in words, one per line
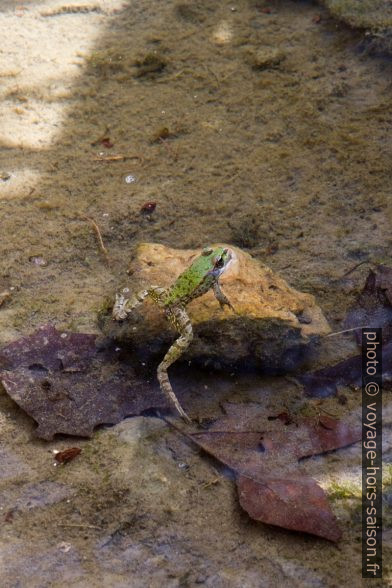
column 372, row 453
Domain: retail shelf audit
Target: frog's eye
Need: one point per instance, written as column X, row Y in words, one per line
column 207, row 251
column 219, row 262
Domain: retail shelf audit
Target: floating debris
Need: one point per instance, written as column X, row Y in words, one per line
column 4, row 296
column 99, row 237
column 106, row 142
column 4, row 176
column 67, row 455
column 37, row 260
column 148, row 208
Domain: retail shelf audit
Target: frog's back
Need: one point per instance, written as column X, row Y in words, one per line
column 193, row 282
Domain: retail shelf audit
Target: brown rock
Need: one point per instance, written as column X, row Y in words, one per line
column 270, row 328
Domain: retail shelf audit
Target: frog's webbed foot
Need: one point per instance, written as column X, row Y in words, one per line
column 180, row 320
column 221, row 298
column 119, row 312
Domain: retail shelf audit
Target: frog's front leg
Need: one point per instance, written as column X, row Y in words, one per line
column 221, row 298
column 180, row 320
column 124, row 306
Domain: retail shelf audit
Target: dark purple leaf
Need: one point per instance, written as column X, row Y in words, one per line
column 69, row 385
column 324, row 382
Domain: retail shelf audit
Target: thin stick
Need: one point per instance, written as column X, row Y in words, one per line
column 99, row 237
column 118, row 158
column 210, row 483
column 348, row 330
column 353, row 269
column 78, row 526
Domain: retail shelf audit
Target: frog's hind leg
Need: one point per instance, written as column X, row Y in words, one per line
column 180, row 320
column 124, row 306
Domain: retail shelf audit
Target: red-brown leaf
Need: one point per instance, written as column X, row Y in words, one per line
column 271, row 486
column 298, row 504
column 67, row 455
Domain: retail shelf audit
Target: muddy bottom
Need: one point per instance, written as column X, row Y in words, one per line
column 257, row 124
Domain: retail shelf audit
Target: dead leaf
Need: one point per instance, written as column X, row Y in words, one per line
column 148, row 208
column 295, row 504
column 69, row 385
column 106, row 142
column 271, row 487
column 9, row 515
column 67, row 455
column 325, row 382
column 373, row 308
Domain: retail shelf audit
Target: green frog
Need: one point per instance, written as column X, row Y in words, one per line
column 202, row 275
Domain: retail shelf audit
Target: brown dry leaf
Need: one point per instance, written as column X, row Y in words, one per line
column 69, row 385
column 295, row 504
column 271, row 486
column 67, row 454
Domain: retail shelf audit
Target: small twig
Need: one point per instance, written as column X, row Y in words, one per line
column 99, row 237
column 353, row 269
column 120, row 157
column 348, row 330
column 79, row 526
column 172, row 424
column 331, row 414
column 210, row 483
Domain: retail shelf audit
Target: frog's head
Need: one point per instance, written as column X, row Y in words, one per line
column 219, row 259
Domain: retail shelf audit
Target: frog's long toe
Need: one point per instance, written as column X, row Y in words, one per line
column 168, row 391
column 119, row 309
